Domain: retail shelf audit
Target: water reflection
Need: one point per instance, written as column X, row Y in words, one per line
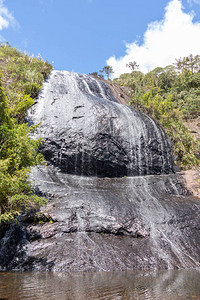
column 182, row 284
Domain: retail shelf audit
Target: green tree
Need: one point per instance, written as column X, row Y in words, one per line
column 171, row 95
column 17, row 154
column 96, row 74
column 190, row 63
column 133, row 80
column 107, row 71
column 22, row 77
column 132, row 65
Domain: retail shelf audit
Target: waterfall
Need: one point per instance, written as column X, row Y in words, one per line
column 93, row 134
column 114, row 200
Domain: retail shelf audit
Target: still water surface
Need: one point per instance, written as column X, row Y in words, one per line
column 165, row 285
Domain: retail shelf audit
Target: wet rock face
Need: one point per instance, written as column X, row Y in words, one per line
column 101, row 223
column 12, row 239
column 105, row 224
column 87, row 132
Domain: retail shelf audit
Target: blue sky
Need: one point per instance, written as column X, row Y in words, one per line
column 85, row 35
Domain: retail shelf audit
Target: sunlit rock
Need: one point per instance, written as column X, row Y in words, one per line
column 87, row 132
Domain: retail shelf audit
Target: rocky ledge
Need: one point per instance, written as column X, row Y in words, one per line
column 104, row 224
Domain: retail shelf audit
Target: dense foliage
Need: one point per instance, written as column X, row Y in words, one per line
column 23, row 76
column 21, row 79
column 171, row 95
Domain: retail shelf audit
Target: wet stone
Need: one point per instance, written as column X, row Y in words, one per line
column 103, row 214
column 93, row 134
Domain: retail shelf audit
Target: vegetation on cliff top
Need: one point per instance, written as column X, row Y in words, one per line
column 21, row 79
column 170, row 95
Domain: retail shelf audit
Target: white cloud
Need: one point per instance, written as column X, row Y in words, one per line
column 6, row 18
column 173, row 37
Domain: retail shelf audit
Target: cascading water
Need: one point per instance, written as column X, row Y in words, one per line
column 92, row 134
column 105, row 214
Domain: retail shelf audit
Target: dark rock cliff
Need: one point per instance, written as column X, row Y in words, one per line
column 87, row 132
column 105, row 220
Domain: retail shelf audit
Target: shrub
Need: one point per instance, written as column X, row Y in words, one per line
column 22, row 78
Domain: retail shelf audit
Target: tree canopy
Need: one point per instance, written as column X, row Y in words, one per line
column 171, row 95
